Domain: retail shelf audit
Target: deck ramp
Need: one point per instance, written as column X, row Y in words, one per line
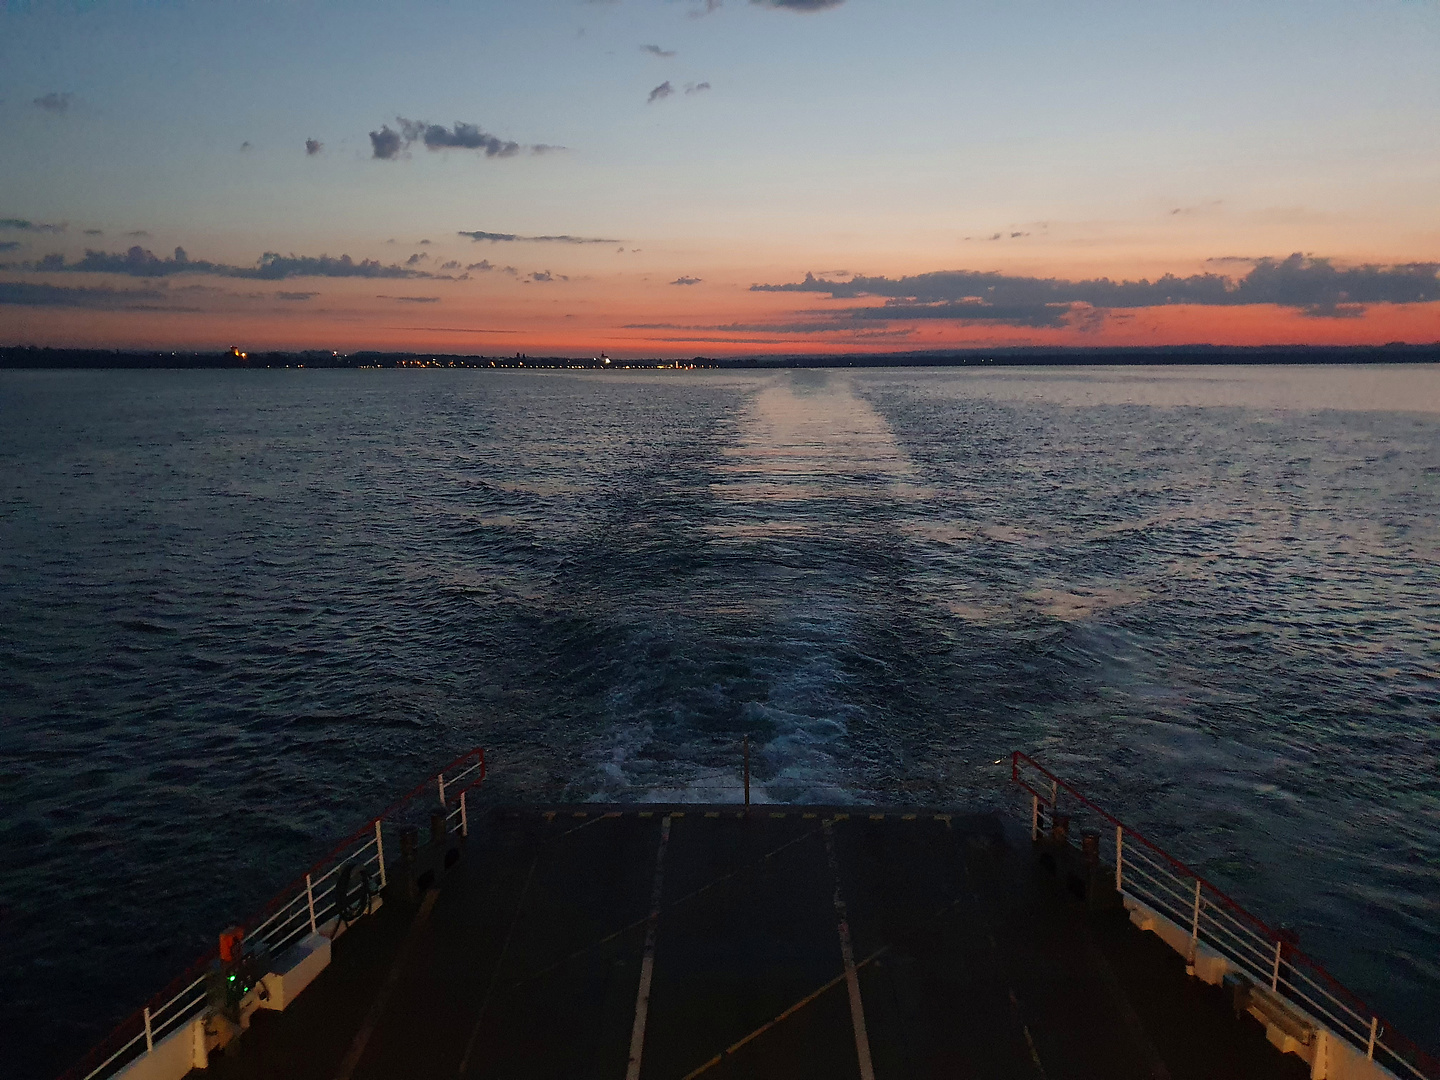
column 790, row 942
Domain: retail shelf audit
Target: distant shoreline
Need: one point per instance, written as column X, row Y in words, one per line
column 31, row 358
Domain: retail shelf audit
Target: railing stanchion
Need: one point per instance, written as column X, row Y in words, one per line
column 1119, row 858
column 310, row 900
column 380, row 852
column 1034, row 817
column 464, row 819
column 1374, row 1031
column 1195, row 924
column 1275, row 974
column 150, row 1033
column 441, row 779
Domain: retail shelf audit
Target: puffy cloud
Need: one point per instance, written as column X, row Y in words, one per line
column 54, row 101
column 686, row 281
column 656, row 50
column 660, row 92
column 462, row 136
column 545, row 277
column 696, row 88
column 386, row 144
column 313, row 147
column 10, row 245
column 563, row 238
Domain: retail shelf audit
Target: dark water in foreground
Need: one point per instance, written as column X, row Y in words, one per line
column 240, row 610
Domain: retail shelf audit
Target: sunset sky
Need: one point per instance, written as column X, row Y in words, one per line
column 659, row 177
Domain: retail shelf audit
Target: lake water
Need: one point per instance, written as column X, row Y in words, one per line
column 239, row 611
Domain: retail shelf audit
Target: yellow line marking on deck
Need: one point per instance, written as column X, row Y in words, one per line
column 647, row 964
column 377, row 1008
column 877, row 817
column 841, row 817
column 580, row 813
column 907, row 817
column 495, row 975
column 712, row 813
column 808, row 816
column 791, row 1011
column 647, row 813
column 549, row 816
column 847, row 954
column 614, row 813
column 780, row 815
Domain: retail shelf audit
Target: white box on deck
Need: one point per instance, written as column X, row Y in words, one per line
column 295, row 969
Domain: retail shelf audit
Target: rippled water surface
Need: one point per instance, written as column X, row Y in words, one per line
column 240, row 610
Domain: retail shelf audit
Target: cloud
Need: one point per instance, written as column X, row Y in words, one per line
column 453, row 264
column 686, row 281
column 462, row 136
column 28, row 294
column 547, row 148
column 244, row 146
column 799, row 5
column 704, row 7
column 94, row 232
column 386, row 144
column 506, row 238
column 1298, row 281
column 54, row 101
column 696, row 88
column 416, row 259
column 545, row 277
column 271, row 266
column 414, row 299
column 295, row 295
column 313, row 147
column 656, row 50
column 10, row 245
column 483, row 264
column 22, row 225
column 660, row 92
column 137, row 233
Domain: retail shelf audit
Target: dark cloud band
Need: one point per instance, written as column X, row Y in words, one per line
column 506, row 238
column 1310, row 284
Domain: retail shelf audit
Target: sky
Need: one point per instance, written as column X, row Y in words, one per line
column 718, row 177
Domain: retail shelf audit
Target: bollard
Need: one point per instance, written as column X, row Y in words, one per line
column 437, row 827
column 1059, row 828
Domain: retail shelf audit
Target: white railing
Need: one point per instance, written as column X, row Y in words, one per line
column 1146, row 873
column 310, row 905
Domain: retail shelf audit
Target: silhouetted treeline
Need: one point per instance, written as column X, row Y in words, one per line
column 31, row 357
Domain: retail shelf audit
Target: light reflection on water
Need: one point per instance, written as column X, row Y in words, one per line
column 239, row 610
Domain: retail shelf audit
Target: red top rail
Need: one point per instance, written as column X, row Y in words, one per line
column 124, row 1031
column 1292, row 953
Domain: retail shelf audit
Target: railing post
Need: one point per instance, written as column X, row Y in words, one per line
column 1034, row 817
column 441, row 778
column 464, row 818
column 150, row 1033
column 1374, row 1032
column 1195, row 923
column 1275, row 975
column 380, row 852
column 746, row 745
column 310, row 899
column 1119, row 858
